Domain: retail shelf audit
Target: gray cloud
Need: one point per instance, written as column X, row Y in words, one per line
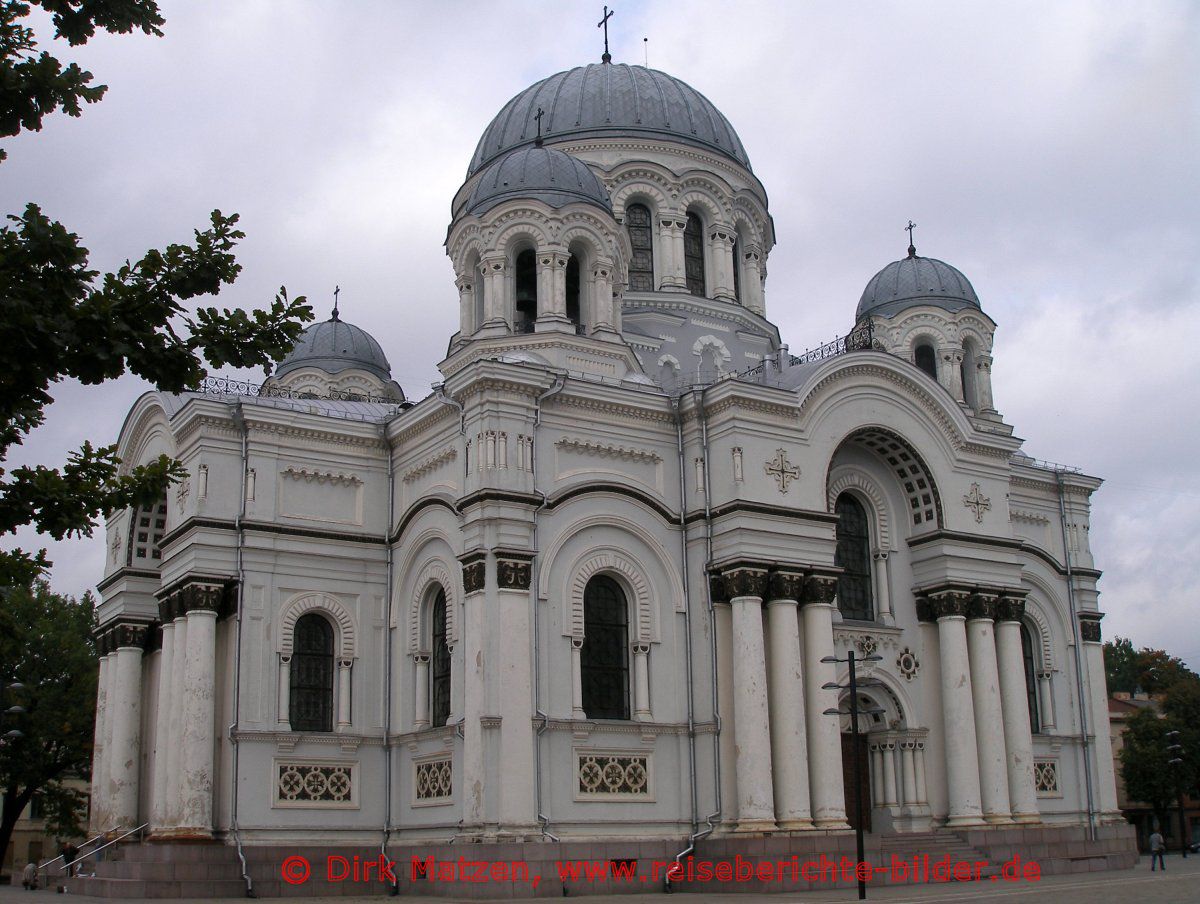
column 1047, row 151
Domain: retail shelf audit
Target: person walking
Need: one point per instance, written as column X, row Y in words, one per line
column 1158, row 847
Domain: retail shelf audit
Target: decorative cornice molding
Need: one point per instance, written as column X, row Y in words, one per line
column 601, row 450
column 336, row 478
column 432, row 463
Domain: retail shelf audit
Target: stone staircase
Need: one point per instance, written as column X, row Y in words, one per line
column 923, row 852
column 163, row 871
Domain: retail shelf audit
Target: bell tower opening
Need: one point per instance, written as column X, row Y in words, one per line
column 525, row 279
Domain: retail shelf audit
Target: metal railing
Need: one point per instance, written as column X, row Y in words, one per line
column 46, row 866
column 107, row 844
column 229, row 386
column 861, row 338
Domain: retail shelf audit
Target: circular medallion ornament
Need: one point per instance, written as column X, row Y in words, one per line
column 908, row 665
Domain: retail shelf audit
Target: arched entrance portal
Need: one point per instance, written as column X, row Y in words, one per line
column 891, row 758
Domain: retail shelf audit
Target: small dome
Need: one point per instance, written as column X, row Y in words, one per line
column 610, row 100
column 334, row 346
column 542, row 174
column 915, row 281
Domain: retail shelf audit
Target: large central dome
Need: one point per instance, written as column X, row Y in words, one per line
column 609, row 100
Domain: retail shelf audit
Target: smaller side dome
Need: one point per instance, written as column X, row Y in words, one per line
column 541, row 174
column 334, row 346
column 915, row 281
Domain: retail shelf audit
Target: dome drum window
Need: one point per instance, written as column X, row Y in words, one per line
column 693, row 256
column 641, row 240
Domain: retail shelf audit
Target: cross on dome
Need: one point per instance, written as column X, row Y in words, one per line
column 603, row 23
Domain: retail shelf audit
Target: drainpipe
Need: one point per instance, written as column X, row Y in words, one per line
column 439, row 390
column 1075, row 635
column 387, row 654
column 240, row 421
column 543, row 820
column 710, row 824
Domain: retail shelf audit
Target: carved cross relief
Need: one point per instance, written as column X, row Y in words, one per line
column 977, row 501
column 782, row 470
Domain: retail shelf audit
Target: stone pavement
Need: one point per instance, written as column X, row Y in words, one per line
column 1180, row 884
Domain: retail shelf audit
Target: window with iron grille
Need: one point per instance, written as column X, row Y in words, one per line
column 149, row 525
column 604, row 658
column 440, row 678
column 641, row 240
column 1031, row 695
column 312, row 675
column 853, row 555
column 693, row 255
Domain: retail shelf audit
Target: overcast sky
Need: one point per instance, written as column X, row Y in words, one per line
column 1048, row 150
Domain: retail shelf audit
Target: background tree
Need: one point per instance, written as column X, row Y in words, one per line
column 61, row 319
column 1148, row 670
column 46, row 644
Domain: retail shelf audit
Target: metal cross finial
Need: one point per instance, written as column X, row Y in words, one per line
column 538, row 116
column 603, row 23
column 336, row 290
column 912, row 249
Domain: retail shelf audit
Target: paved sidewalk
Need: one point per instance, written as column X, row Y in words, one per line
column 1180, row 884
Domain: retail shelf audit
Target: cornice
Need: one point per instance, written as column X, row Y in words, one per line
column 1011, row 543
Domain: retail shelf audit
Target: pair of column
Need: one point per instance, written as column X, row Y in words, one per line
column 989, row 747
column 898, row 770
column 787, row 752
column 185, row 735
column 117, row 756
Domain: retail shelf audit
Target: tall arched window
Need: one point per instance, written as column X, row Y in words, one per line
column 1031, row 688
column 641, row 240
column 146, row 532
column 693, row 256
column 439, row 678
column 573, row 290
column 311, row 697
column 853, row 555
column 926, row 359
column 525, row 286
column 604, row 659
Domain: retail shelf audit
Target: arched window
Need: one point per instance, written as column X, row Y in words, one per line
column 853, row 555
column 604, row 659
column 146, row 532
column 525, row 284
column 641, row 239
column 439, row 678
column 737, row 271
column 311, row 697
column 693, row 255
column 573, row 290
column 925, row 359
column 1031, row 688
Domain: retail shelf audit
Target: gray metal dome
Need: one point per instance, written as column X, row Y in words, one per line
column 334, row 346
column 550, row 176
column 606, row 100
column 915, row 281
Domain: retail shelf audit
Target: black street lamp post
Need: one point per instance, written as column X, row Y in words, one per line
column 1177, row 761
column 853, row 712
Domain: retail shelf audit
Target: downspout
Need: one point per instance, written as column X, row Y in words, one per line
column 1075, row 634
column 387, row 654
column 710, row 824
column 240, row 529
column 544, row 723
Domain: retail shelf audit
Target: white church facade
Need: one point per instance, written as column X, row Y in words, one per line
column 588, row 590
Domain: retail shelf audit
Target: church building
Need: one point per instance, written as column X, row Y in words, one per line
column 599, row 589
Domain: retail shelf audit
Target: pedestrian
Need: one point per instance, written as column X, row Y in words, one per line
column 1157, row 848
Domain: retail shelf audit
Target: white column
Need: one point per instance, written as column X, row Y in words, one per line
column 199, row 713
column 99, row 772
column 671, row 245
column 752, row 279
column 174, row 793
column 726, row 744
column 883, row 586
column 983, row 382
column 789, row 746
column 345, row 667
column 889, row 774
column 958, row 714
column 824, row 732
column 577, row 678
column 284, row 716
column 466, row 306
column 641, row 682
column 162, row 727
column 876, row 775
column 950, row 358
column 755, row 796
column 908, row 773
column 922, row 791
column 125, row 749
column 720, row 245
column 601, row 310
column 1046, row 698
column 474, row 635
column 989, row 720
column 510, row 675
column 1018, row 738
column 1098, row 727
column 421, row 692
column 495, row 301
column 110, row 694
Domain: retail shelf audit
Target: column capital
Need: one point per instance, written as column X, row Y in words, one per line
column 745, row 579
column 940, row 604
column 1089, row 626
column 819, row 589
column 474, row 571
column 785, row 585
column 493, row 263
column 514, row 570
column 1010, row 608
column 982, row 605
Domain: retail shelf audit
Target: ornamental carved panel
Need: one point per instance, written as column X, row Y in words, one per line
column 433, row 780
column 474, row 573
column 609, row 775
column 316, row 785
column 513, row 574
column 1045, row 778
column 1089, row 627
